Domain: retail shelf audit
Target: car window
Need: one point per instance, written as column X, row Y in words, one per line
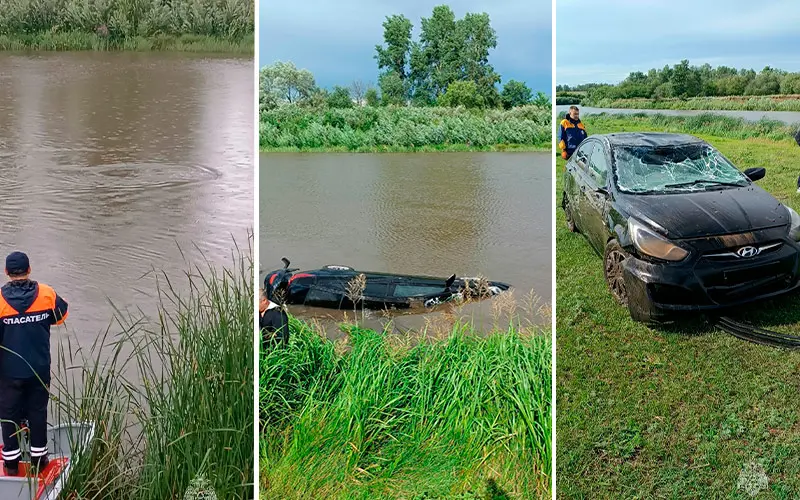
column 598, row 166
column 685, row 167
column 321, row 294
column 416, row 290
column 583, row 153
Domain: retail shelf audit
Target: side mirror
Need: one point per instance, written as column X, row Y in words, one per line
column 755, row 174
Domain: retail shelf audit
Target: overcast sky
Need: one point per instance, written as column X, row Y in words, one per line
column 336, row 40
column 605, row 41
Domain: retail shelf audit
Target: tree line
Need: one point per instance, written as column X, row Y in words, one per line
column 447, row 66
column 684, row 81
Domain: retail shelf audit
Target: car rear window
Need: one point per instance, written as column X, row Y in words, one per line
column 690, row 167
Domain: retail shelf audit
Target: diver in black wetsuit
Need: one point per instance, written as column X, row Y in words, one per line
column 273, row 323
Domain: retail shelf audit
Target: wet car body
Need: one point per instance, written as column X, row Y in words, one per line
column 330, row 287
column 730, row 243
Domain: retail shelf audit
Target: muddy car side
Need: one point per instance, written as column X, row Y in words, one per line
column 697, row 236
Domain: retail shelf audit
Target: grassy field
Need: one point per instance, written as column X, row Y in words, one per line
column 462, row 416
column 734, row 103
column 685, row 412
column 171, row 400
column 143, row 25
column 290, row 128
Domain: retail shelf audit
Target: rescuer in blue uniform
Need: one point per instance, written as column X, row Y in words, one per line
column 27, row 310
column 572, row 132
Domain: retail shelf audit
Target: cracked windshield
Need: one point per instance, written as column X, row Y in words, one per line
column 693, row 167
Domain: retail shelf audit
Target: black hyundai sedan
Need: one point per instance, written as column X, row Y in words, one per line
column 679, row 227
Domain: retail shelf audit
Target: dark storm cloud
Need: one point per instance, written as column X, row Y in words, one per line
column 604, row 41
column 336, row 40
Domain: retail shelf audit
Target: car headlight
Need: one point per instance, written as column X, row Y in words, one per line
column 794, row 224
column 649, row 243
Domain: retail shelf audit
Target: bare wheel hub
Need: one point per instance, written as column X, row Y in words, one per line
column 614, row 275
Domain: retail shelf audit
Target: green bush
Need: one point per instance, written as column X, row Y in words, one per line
column 366, row 128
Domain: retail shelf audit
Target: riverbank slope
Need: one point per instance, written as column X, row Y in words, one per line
column 382, row 415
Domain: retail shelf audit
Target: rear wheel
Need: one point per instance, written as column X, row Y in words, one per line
column 613, row 267
column 567, row 206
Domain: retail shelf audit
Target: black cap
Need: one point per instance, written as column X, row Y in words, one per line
column 17, row 263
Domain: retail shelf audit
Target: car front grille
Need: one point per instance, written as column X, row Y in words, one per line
column 729, row 278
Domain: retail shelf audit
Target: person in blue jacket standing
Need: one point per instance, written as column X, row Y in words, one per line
column 573, row 132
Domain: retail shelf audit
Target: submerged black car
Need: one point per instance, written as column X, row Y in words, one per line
column 342, row 287
column 679, row 227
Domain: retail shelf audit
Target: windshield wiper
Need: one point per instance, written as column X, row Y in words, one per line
column 704, row 181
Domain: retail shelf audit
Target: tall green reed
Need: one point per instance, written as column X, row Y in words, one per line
column 171, row 399
column 705, row 123
column 116, row 20
column 464, row 414
column 402, row 127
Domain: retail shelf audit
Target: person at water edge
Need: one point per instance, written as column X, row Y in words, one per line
column 573, row 132
column 27, row 311
column 273, row 323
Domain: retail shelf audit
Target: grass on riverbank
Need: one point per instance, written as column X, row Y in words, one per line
column 465, row 416
column 171, row 402
column 47, row 41
column 687, row 412
column 733, row 103
column 290, row 128
column 707, row 126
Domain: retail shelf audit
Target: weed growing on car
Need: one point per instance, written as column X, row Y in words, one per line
column 171, row 401
column 461, row 414
column 675, row 411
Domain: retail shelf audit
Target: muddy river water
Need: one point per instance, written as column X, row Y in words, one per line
column 436, row 214
column 113, row 165
column 788, row 117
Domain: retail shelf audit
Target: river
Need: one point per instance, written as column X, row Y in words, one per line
column 789, row 117
column 115, row 164
column 435, row 214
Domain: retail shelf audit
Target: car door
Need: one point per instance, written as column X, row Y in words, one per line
column 596, row 198
column 576, row 178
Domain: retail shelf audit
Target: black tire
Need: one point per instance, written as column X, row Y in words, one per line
column 614, row 258
column 565, row 204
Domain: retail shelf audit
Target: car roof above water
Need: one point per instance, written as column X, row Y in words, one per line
column 648, row 139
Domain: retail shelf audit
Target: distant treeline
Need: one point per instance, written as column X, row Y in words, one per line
column 117, row 21
column 684, row 81
column 448, row 66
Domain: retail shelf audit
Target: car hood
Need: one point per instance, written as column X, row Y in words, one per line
column 706, row 213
